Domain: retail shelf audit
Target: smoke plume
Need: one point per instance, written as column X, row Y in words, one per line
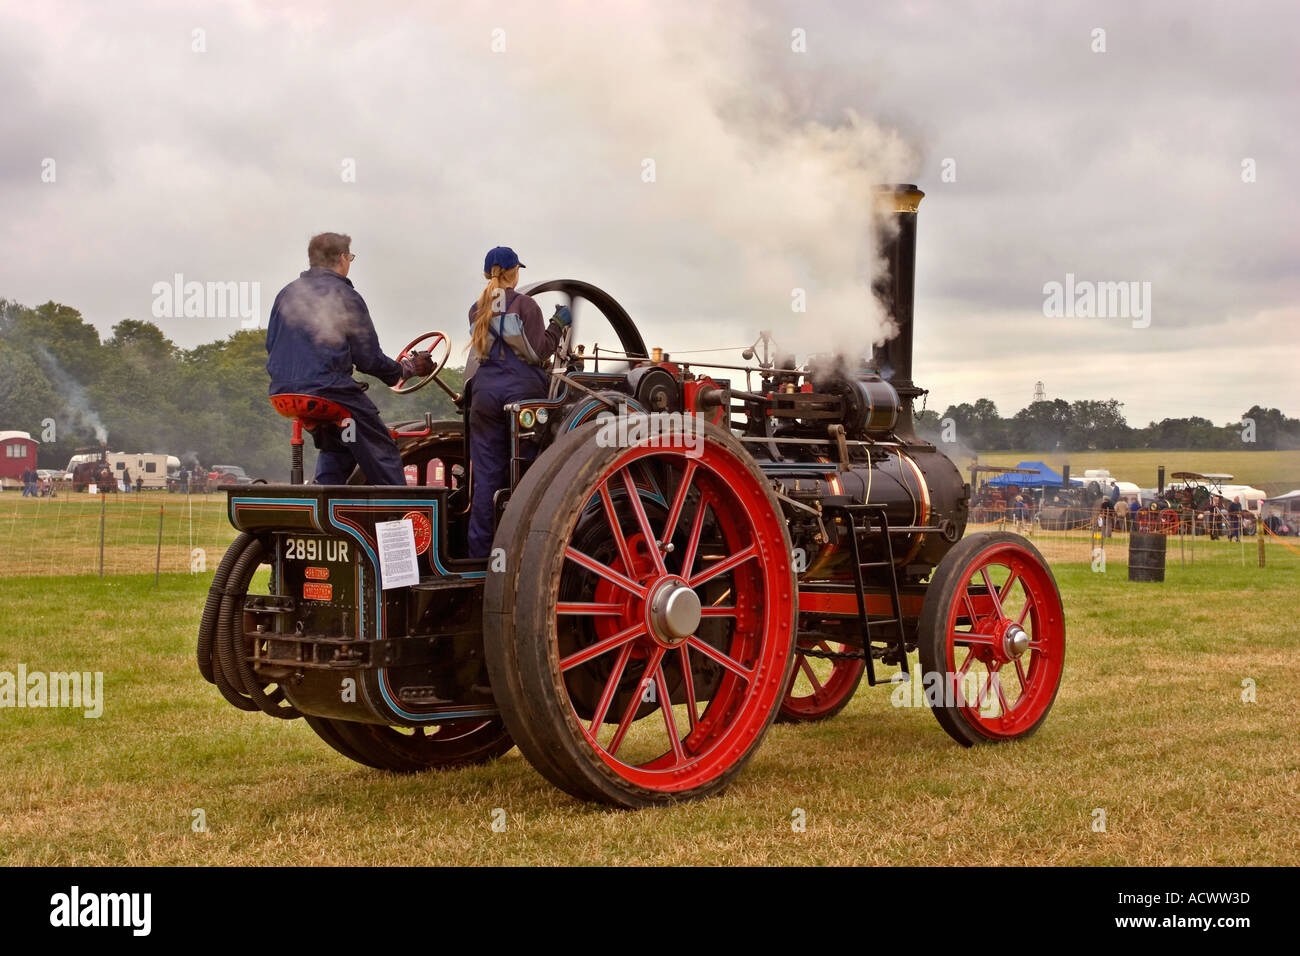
column 756, row 151
column 78, row 403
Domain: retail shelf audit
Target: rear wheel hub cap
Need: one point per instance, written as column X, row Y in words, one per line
column 674, row 612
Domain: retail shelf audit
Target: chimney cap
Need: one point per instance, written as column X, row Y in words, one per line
column 899, row 197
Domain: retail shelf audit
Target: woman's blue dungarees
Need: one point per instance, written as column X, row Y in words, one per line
column 502, row 378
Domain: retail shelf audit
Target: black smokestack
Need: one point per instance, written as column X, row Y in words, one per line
column 896, row 208
column 1160, row 480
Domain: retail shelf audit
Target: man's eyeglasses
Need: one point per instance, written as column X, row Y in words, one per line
column 349, row 256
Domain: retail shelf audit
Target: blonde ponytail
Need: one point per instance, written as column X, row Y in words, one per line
column 498, row 281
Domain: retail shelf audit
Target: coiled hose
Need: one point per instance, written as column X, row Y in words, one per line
column 221, row 652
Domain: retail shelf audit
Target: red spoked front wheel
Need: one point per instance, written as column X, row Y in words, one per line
column 653, row 615
column 992, row 639
column 822, row 682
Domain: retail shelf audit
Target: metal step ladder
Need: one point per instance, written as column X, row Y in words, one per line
column 870, row 520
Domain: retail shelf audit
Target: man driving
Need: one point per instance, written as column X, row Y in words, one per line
column 319, row 331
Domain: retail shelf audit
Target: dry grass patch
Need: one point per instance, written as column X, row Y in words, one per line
column 1150, row 727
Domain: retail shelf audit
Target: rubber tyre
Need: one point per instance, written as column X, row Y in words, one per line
column 500, row 592
column 425, row 748
column 527, row 678
column 326, row 731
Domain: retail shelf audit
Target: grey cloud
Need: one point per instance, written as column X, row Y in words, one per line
column 1123, row 165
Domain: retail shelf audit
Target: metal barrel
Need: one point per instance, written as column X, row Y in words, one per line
column 1146, row 556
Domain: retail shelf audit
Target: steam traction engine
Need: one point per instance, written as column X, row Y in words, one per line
column 680, row 560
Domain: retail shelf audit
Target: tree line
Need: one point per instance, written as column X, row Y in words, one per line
column 142, row 393
column 1083, row 425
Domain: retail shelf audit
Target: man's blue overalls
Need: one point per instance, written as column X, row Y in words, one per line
column 320, row 329
column 501, row 378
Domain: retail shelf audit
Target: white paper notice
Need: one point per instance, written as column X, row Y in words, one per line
column 398, row 567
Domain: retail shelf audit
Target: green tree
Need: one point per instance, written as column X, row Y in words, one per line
column 978, row 426
column 926, row 424
column 66, row 350
column 54, row 330
column 1273, row 430
column 1097, row 425
column 26, row 397
column 1194, row 432
column 1041, row 426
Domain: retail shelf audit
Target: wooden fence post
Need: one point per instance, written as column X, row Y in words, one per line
column 157, row 562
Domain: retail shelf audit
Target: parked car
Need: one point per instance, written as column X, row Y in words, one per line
column 232, row 475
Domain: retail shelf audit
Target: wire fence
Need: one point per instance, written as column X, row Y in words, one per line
column 137, row 533
column 1187, row 544
column 157, row 532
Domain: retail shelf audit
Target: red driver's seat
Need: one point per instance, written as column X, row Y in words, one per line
column 309, row 412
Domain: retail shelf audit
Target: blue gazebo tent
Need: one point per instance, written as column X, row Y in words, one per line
column 1042, row 477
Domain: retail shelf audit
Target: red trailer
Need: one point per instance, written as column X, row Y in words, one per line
column 18, row 454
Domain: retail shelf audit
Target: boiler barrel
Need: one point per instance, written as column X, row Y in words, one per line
column 897, row 483
column 916, row 488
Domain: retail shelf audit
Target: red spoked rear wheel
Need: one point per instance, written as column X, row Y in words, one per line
column 992, row 639
column 653, row 618
column 456, row 743
column 820, row 687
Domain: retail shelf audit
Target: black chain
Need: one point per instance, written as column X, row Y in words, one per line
column 832, row 655
column 843, row 655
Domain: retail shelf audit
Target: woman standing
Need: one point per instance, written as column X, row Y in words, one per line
column 510, row 343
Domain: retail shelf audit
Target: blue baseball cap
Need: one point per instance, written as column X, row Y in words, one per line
column 502, row 256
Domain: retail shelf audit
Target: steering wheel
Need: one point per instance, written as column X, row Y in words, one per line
column 435, row 340
column 573, row 291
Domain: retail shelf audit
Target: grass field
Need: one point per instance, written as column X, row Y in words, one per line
column 1267, row 470
column 1150, row 727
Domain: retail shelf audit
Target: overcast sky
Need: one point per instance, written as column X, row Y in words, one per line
column 216, row 154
